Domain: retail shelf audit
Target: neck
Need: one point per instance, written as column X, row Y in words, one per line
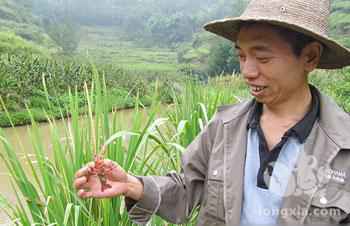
column 294, row 108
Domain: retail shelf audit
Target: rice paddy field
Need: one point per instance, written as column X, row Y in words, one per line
column 105, row 45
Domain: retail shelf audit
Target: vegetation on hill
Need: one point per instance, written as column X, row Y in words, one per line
column 107, row 45
column 16, row 17
column 13, row 44
column 340, row 21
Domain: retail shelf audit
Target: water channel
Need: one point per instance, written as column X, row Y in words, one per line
column 19, row 138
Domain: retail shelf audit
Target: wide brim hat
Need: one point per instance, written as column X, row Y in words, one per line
column 309, row 17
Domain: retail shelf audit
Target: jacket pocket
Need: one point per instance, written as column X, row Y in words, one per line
column 215, row 200
column 329, row 207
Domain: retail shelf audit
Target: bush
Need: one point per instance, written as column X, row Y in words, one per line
column 222, row 59
column 343, row 90
column 64, row 32
column 335, row 84
column 22, row 117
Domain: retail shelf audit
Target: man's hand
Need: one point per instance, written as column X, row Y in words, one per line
column 88, row 184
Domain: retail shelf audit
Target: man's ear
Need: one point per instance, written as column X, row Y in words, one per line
column 311, row 55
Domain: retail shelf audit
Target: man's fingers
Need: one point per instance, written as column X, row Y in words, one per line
column 80, row 182
column 110, row 164
column 108, row 193
column 85, row 171
column 95, row 194
column 114, row 172
column 84, row 194
column 113, row 191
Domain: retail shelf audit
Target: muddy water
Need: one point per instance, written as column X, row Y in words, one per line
column 19, row 138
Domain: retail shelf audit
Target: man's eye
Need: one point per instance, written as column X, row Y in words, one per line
column 263, row 59
column 241, row 57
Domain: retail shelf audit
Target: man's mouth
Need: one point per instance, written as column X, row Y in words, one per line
column 257, row 89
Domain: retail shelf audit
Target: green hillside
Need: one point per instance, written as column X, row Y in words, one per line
column 140, row 39
column 20, row 30
column 13, row 44
column 340, row 21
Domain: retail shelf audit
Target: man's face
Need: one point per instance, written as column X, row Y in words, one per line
column 270, row 68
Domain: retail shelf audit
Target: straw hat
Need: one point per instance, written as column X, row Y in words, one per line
column 309, row 17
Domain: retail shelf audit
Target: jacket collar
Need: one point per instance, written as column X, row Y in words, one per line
column 228, row 113
column 333, row 120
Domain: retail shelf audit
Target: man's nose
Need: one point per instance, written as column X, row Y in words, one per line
column 249, row 69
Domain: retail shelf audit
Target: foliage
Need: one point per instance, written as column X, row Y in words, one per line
column 222, row 59
column 106, row 45
column 196, row 51
column 170, row 30
column 16, row 10
column 197, row 104
column 340, row 21
column 155, row 22
column 335, row 84
column 13, row 44
column 152, row 146
column 24, row 80
column 211, row 54
column 16, row 17
column 64, row 32
column 22, row 77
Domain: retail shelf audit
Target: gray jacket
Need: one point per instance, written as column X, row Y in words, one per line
column 213, row 170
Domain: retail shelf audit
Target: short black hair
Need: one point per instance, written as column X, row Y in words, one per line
column 295, row 39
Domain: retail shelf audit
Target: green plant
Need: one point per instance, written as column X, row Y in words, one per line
column 335, row 84
column 222, row 59
column 152, row 146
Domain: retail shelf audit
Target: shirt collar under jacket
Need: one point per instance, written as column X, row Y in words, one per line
column 301, row 129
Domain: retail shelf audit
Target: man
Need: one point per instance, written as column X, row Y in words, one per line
column 283, row 157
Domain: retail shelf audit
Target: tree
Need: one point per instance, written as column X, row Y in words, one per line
column 64, row 32
column 222, row 59
column 173, row 29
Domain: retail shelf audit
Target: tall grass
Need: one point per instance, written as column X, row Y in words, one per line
column 335, row 84
column 153, row 145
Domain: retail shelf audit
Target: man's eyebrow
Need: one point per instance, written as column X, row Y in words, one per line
column 261, row 48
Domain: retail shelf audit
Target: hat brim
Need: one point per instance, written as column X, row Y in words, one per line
column 334, row 56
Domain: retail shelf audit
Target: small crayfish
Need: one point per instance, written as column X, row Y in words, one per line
column 100, row 169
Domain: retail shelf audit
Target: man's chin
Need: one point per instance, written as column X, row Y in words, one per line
column 261, row 100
